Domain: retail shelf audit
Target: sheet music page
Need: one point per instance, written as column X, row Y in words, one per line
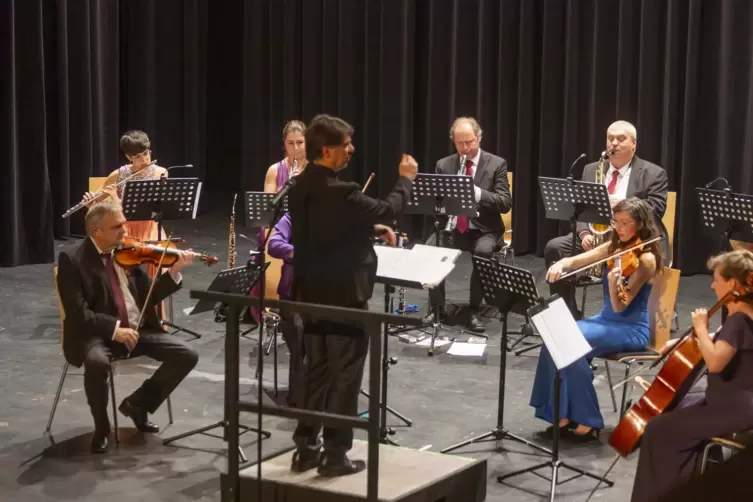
column 426, row 265
column 561, row 334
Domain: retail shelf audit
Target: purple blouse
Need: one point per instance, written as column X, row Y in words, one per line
column 280, row 247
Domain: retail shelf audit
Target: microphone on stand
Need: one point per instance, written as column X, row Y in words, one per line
column 283, row 192
column 711, row 183
column 570, row 171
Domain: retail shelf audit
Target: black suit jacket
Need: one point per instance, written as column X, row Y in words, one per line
column 88, row 301
column 334, row 261
column 647, row 181
column 491, row 177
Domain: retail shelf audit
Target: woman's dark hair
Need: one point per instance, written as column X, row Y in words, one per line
column 293, row 126
column 325, row 130
column 134, row 142
column 646, row 226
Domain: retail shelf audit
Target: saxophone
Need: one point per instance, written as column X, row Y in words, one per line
column 599, row 230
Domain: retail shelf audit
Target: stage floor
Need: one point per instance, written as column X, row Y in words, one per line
column 448, row 398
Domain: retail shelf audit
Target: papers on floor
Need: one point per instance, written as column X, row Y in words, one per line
column 561, row 334
column 422, row 266
column 467, row 349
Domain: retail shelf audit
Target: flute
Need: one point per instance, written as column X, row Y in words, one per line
column 83, row 203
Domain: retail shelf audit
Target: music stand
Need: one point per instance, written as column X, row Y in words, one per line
column 258, row 210
column 510, row 289
column 727, row 212
column 544, row 317
column 239, row 281
column 158, row 200
column 442, row 195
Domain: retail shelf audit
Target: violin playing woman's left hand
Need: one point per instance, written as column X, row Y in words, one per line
column 615, row 276
column 700, row 320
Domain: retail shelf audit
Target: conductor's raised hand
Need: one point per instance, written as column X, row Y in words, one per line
column 408, row 167
column 386, row 234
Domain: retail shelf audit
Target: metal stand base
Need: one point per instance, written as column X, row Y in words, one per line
column 204, row 430
column 497, row 434
column 555, row 466
column 179, row 329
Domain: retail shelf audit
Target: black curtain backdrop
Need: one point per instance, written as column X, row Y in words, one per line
column 212, row 83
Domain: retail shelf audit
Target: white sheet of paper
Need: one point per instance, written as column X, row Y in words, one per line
column 467, row 349
column 561, row 334
column 426, row 265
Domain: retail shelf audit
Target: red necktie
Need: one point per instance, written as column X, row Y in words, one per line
column 613, row 182
column 117, row 292
column 462, row 223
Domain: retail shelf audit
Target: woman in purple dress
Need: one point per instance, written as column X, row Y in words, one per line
column 672, row 443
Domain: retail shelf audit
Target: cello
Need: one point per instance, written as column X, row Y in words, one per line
column 684, row 364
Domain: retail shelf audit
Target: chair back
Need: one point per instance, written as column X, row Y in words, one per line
column 668, row 220
column 61, row 311
column 661, row 306
column 507, row 217
column 273, row 274
column 96, row 183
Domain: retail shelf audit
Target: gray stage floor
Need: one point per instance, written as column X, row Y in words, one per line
column 447, row 398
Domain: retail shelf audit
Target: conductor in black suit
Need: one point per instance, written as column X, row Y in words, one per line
column 102, row 302
column 626, row 175
column 481, row 235
column 334, row 263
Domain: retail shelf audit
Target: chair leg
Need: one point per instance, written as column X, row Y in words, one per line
column 609, row 381
column 583, row 301
column 624, row 390
column 57, row 396
column 705, row 457
column 169, row 411
column 114, row 403
column 677, row 320
column 512, row 257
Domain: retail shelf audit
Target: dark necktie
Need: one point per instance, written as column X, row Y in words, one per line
column 116, row 291
column 613, row 183
column 462, row 223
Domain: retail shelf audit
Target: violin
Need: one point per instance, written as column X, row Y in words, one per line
column 134, row 253
column 617, row 254
column 627, row 263
column 684, row 362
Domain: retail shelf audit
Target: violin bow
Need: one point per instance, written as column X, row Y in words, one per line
column 613, row 255
column 151, row 288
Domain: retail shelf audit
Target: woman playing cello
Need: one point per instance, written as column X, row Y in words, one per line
column 622, row 325
column 672, row 442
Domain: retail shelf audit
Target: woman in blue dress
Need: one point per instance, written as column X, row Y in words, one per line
column 621, row 326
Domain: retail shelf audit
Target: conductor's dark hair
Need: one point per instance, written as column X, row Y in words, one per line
column 325, row 130
column 134, row 142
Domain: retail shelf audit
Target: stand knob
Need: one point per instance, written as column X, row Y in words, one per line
column 392, row 360
column 390, row 431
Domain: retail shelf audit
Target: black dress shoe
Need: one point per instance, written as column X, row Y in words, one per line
column 475, row 324
column 100, row 443
column 138, row 416
column 304, row 460
column 339, row 465
column 431, row 317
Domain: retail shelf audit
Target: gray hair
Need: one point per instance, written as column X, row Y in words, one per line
column 96, row 214
column 624, row 126
column 474, row 125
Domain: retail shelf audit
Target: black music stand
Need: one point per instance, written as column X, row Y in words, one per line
column 554, row 463
column 442, row 195
column 259, row 213
column 510, row 289
column 158, row 200
column 239, row 281
column 728, row 213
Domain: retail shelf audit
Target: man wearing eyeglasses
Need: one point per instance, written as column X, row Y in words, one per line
column 334, row 263
column 480, row 235
column 625, row 175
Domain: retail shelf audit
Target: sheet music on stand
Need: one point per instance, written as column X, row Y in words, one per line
column 417, row 268
column 232, row 280
column 584, row 201
column 726, row 212
column 560, row 333
column 442, row 194
column 163, row 199
column 258, row 212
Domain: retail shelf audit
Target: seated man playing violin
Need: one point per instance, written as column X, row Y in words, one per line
column 622, row 324
column 111, row 312
column 672, row 442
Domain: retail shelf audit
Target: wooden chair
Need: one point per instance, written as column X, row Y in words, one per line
column 661, row 306
column 668, row 221
column 96, row 183
column 66, row 366
column 735, row 442
column 507, row 237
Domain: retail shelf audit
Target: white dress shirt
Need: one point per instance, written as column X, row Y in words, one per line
column 452, row 223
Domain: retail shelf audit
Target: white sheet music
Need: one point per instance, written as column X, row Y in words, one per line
column 426, row 265
column 561, row 334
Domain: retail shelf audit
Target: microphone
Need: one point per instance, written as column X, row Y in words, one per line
column 570, row 171
column 283, row 192
column 711, row 183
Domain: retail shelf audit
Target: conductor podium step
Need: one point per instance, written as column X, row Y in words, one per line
column 405, row 475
